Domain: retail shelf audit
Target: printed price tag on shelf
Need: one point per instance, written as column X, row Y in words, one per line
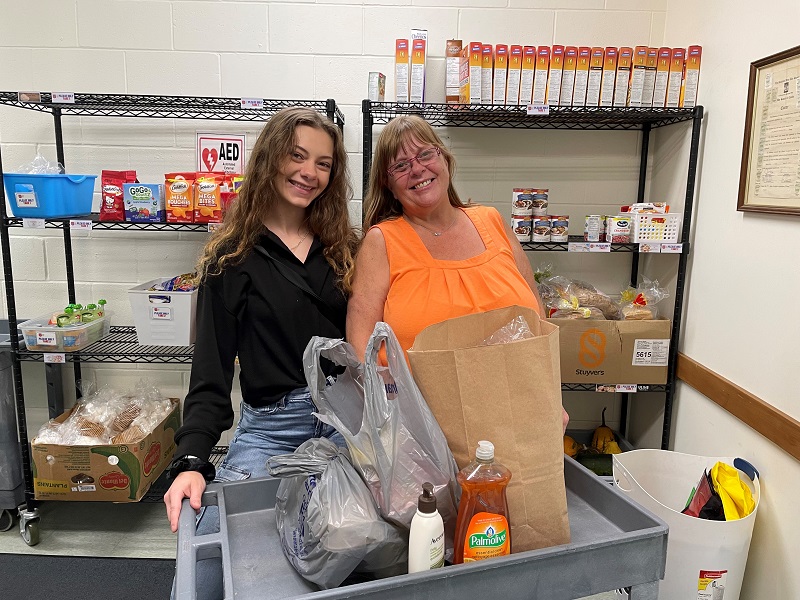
column 649, row 248
column 599, row 247
column 671, row 248
column 650, row 353
column 578, row 247
column 64, row 97
column 80, row 225
column 29, row 96
column 625, row 388
column 253, row 103
column 33, row 223
column 538, row 110
column 54, row 358
column 212, row 227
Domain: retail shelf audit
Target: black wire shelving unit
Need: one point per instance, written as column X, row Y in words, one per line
column 642, row 120
column 120, row 346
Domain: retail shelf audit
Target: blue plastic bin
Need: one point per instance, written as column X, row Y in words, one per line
column 49, row 196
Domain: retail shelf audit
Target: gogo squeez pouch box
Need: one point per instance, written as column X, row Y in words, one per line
column 144, row 202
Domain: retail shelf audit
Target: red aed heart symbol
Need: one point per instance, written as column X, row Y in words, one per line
column 210, row 157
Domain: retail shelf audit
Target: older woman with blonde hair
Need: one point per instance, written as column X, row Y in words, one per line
column 427, row 256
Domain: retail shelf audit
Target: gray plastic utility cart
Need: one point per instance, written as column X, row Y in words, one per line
column 12, row 485
column 615, row 543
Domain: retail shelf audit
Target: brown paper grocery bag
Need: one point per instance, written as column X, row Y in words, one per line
column 509, row 394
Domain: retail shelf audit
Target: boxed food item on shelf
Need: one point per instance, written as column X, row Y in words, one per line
column 470, row 73
column 527, row 74
column 42, row 336
column 49, row 195
column 401, row 80
column 691, row 77
column 594, row 351
column 675, row 79
column 419, row 54
column 112, row 202
column 452, row 82
column 581, row 76
column 163, row 317
column 144, row 202
column 120, row 472
column 376, row 86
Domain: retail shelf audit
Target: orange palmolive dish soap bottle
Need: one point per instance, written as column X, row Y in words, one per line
column 482, row 529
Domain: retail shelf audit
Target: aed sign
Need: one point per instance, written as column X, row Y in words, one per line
column 220, row 153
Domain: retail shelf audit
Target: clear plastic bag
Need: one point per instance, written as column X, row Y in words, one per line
column 640, row 304
column 40, row 165
column 516, row 329
column 395, row 441
column 327, row 519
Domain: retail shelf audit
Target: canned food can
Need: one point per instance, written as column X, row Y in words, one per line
column 541, row 229
column 559, row 228
column 592, row 228
column 522, row 202
column 539, row 201
column 522, row 228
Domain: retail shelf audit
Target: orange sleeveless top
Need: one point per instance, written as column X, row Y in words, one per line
column 424, row 290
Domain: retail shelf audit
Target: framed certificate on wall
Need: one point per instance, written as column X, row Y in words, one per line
column 769, row 181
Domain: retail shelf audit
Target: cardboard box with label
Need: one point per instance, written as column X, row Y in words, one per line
column 594, row 351
column 114, row 472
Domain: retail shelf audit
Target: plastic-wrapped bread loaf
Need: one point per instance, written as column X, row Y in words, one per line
column 132, row 434
column 124, row 419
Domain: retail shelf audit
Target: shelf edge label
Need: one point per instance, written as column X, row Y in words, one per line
column 599, row 247
column 578, row 247
column 63, row 97
column 253, row 103
column 80, row 224
column 33, row 223
column 650, row 248
column 54, row 358
column 539, row 110
column 671, row 248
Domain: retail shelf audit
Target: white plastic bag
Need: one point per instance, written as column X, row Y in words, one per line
column 395, row 441
column 327, row 519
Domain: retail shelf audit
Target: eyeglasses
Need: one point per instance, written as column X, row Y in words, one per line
column 403, row 167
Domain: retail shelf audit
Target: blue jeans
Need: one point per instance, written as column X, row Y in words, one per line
column 261, row 433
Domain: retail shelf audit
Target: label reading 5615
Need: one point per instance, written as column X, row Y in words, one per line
column 650, row 353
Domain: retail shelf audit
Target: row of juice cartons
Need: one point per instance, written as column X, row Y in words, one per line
column 558, row 75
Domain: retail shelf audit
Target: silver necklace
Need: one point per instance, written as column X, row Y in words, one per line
column 436, row 233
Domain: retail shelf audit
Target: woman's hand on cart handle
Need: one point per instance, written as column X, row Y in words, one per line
column 189, row 484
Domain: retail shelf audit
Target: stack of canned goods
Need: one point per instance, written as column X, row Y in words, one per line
column 529, row 218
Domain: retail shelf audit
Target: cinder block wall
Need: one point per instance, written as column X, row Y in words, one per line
column 286, row 50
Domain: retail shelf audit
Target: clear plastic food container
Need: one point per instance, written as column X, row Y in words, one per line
column 40, row 336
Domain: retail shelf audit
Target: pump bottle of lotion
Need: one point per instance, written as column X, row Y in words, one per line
column 426, row 538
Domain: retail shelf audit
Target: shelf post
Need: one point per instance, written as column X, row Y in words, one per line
column 694, row 153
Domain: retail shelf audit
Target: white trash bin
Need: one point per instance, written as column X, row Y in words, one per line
column 705, row 559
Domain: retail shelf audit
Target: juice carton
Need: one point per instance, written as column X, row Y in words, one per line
column 514, row 72
column 487, row 63
column 540, row 76
column 526, row 75
column 452, row 78
column 581, row 76
column 595, row 81
column 500, row 74
column 556, row 72
column 677, row 58
column 662, row 77
column 691, row 76
column 609, row 76
column 624, row 63
column 568, row 75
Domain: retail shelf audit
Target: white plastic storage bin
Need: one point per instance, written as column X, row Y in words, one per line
column 40, row 336
column 163, row 318
column 650, row 227
column 705, row 559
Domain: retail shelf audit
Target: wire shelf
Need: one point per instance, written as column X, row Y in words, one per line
column 592, row 387
column 97, row 224
column 516, row 117
column 168, row 107
column 121, row 346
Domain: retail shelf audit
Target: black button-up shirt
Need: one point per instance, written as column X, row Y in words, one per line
column 253, row 311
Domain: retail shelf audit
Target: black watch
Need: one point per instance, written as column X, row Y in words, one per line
column 191, row 463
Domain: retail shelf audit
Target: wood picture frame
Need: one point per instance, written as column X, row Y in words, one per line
column 769, row 180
